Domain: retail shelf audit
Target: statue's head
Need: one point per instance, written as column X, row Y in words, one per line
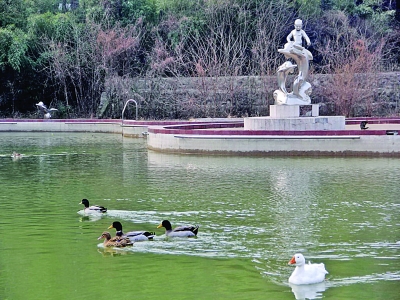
column 298, row 24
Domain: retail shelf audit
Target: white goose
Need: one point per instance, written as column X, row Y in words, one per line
column 306, row 273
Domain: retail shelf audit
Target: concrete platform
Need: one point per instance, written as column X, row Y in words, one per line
column 295, row 117
column 299, row 123
column 225, row 139
column 293, row 111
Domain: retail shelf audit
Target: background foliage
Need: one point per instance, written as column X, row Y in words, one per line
column 81, row 56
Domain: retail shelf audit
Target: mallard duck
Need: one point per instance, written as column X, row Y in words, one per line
column 181, row 231
column 306, row 273
column 93, row 208
column 115, row 241
column 136, row 236
column 363, row 125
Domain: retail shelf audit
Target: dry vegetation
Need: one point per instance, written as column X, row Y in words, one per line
column 89, row 61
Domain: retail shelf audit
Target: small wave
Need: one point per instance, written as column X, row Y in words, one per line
column 388, row 276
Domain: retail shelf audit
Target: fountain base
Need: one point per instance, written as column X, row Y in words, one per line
column 295, row 117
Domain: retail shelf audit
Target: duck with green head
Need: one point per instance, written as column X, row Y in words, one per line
column 136, row 236
column 181, row 231
column 92, row 208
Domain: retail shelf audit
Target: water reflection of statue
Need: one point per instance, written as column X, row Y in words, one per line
column 293, row 49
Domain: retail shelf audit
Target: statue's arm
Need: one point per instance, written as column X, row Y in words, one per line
column 289, row 37
column 305, row 36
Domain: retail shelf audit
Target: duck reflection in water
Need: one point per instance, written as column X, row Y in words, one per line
column 89, row 218
column 308, row 291
column 107, row 251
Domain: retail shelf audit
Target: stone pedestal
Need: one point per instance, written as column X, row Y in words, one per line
column 293, row 111
column 289, row 118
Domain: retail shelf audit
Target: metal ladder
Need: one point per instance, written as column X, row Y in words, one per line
column 126, row 104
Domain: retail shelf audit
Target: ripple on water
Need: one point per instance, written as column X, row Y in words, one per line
column 213, row 240
column 219, row 240
column 229, row 240
column 389, row 276
column 260, row 211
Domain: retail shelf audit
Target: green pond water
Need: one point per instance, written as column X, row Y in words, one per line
column 254, row 214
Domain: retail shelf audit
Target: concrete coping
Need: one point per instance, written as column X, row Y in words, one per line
column 94, row 123
column 268, row 137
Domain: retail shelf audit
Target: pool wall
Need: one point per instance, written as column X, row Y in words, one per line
column 228, row 137
column 318, row 145
column 128, row 128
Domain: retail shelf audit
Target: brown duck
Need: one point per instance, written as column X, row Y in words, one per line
column 115, row 241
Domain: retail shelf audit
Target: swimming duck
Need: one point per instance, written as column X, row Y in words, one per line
column 93, row 208
column 181, row 231
column 16, row 155
column 115, row 241
column 136, row 236
column 306, row 273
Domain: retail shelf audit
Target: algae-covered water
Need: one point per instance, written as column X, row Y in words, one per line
column 254, row 213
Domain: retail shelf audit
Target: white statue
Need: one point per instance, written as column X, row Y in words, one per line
column 298, row 34
column 294, row 49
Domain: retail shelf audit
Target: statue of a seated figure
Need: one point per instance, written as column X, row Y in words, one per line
column 294, row 49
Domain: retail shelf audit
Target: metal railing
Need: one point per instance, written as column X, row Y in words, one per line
column 126, row 104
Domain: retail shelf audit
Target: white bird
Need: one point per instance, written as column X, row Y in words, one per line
column 46, row 111
column 306, row 273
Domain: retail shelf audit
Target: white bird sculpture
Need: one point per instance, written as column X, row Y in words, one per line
column 46, row 111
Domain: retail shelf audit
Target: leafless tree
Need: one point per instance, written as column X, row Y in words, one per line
column 353, row 55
